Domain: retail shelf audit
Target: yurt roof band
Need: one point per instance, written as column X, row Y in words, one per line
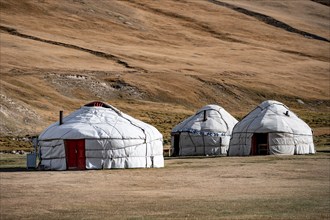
column 205, row 133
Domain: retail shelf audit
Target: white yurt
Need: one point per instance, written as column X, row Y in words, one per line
column 205, row 133
column 99, row 136
column 271, row 128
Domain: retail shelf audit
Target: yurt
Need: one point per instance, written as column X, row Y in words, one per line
column 205, row 133
column 271, row 128
column 99, row 136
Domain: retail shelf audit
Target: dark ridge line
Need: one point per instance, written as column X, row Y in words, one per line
column 14, row 32
column 269, row 20
column 201, row 26
column 215, row 34
column 322, row 2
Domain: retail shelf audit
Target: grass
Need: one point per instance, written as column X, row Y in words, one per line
column 187, row 188
column 315, row 119
column 14, row 143
column 322, row 142
column 12, row 161
column 229, row 209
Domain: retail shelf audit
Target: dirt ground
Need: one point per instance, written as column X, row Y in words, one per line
column 264, row 187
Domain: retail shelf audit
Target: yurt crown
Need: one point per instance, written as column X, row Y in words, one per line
column 97, row 104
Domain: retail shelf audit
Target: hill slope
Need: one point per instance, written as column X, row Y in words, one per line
column 161, row 60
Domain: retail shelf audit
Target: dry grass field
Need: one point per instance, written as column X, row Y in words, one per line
column 160, row 61
column 169, row 58
column 263, row 187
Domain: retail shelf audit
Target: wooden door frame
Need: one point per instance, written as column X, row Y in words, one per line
column 255, row 146
column 176, row 144
column 220, row 142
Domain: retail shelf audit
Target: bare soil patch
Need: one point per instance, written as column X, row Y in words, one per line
column 265, row 187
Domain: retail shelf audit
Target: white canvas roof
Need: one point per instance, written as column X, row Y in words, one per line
column 272, row 116
column 219, row 121
column 99, row 122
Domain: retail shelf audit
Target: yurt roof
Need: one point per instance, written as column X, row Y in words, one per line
column 100, row 120
column 272, row 116
column 218, row 120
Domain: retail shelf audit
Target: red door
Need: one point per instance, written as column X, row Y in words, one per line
column 75, row 154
